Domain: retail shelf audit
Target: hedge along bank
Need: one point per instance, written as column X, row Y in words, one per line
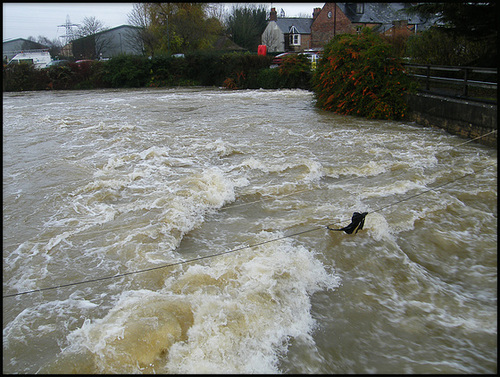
column 360, row 75
column 125, row 71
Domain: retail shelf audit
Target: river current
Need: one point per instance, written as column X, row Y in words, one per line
column 120, row 197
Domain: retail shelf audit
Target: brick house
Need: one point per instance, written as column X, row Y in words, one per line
column 298, row 34
column 386, row 18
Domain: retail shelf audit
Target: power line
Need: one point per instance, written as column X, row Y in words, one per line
column 238, row 248
column 163, row 266
column 70, row 34
column 255, row 201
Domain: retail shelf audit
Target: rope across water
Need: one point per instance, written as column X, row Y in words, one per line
column 241, row 247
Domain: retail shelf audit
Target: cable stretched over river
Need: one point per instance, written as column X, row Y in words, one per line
column 238, row 248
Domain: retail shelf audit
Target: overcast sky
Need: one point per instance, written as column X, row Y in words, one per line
column 23, row 20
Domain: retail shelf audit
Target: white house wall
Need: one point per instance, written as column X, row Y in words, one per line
column 273, row 38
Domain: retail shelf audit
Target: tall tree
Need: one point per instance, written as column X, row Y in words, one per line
column 54, row 45
column 245, row 24
column 140, row 17
column 470, row 29
column 175, row 27
column 474, row 20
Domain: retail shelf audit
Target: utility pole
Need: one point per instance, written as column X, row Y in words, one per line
column 70, row 35
column 335, row 20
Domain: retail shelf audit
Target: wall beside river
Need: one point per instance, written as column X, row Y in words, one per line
column 459, row 117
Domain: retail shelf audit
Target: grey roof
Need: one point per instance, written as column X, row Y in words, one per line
column 303, row 25
column 13, row 46
column 380, row 13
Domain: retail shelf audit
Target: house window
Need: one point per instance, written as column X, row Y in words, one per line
column 294, row 36
column 294, row 39
column 360, row 8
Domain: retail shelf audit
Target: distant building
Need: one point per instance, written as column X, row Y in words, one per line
column 120, row 40
column 287, row 33
column 385, row 18
column 18, row 45
column 223, row 43
column 298, row 34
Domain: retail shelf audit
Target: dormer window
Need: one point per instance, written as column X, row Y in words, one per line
column 294, row 36
column 360, row 8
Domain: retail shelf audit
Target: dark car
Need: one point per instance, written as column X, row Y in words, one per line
column 84, row 62
column 57, row 63
column 279, row 58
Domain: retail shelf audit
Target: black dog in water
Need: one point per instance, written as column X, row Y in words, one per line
column 357, row 222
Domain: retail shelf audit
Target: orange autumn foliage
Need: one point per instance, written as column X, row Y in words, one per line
column 360, row 74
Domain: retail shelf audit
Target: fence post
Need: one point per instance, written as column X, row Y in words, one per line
column 427, row 80
column 466, row 89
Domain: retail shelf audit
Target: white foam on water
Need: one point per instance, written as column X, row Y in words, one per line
column 170, row 212
column 234, row 314
column 16, row 333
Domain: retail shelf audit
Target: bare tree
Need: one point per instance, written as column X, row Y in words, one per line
column 304, row 15
column 90, row 26
column 140, row 17
column 102, row 43
column 218, row 11
column 54, row 45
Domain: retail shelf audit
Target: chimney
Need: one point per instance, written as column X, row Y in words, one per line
column 273, row 16
column 316, row 12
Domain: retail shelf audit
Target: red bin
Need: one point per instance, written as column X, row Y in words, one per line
column 262, row 50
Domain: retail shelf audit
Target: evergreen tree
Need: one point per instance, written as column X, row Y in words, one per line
column 246, row 24
column 465, row 34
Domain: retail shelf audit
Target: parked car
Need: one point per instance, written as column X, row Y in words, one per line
column 57, row 63
column 83, row 62
column 279, row 58
column 313, row 57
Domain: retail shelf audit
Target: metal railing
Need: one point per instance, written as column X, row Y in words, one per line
column 479, row 84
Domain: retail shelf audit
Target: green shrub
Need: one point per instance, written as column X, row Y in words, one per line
column 97, row 76
column 24, row 77
column 359, row 75
column 241, row 71
column 62, row 77
column 168, row 71
column 127, row 71
column 295, row 72
column 231, row 70
column 269, row 78
column 438, row 47
column 204, row 68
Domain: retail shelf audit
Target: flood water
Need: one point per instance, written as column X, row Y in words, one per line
column 102, row 187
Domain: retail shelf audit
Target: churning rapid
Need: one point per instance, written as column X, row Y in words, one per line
column 117, row 188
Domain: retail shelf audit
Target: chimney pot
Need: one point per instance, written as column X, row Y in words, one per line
column 273, row 15
column 316, row 12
